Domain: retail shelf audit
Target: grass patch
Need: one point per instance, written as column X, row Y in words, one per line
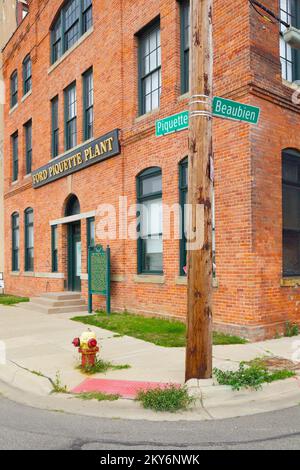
column 251, row 375
column 170, row 399
column 12, row 299
column 101, row 367
column 291, row 329
column 98, row 396
column 167, row 333
column 223, row 339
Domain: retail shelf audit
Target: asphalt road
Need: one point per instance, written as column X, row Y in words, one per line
column 22, row 427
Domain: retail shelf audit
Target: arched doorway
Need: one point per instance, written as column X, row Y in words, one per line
column 74, row 245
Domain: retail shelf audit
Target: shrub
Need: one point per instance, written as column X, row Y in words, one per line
column 171, row 398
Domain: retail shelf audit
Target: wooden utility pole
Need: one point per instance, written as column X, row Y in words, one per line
column 199, row 321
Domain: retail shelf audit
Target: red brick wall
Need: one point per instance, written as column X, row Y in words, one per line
column 249, row 299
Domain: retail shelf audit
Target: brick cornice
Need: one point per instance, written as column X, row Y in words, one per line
column 12, row 192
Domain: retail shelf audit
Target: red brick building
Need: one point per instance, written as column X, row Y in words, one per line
column 86, row 81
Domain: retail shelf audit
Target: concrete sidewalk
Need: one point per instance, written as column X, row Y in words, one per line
column 42, row 343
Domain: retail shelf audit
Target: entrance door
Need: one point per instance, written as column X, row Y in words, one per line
column 74, row 262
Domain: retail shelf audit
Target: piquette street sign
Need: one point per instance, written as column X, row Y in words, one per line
column 92, row 152
column 229, row 109
column 170, row 124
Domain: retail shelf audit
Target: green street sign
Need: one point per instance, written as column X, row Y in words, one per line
column 229, row 109
column 170, row 124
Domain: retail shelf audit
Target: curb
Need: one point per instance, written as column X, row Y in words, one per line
column 212, row 401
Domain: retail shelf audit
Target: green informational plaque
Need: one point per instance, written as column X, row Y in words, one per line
column 99, row 274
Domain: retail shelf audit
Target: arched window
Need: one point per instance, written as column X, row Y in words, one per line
column 183, row 195
column 150, row 244
column 15, row 227
column 291, row 212
column 13, row 89
column 74, row 19
column 72, row 206
column 29, row 240
column 27, row 75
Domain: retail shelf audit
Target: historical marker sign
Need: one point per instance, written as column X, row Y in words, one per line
column 99, row 274
column 229, row 109
column 170, row 124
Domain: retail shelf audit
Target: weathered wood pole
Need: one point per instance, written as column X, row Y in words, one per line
column 199, row 318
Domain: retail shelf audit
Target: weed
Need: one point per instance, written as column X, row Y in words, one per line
column 171, row 398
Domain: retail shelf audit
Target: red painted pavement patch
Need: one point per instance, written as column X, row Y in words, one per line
column 124, row 388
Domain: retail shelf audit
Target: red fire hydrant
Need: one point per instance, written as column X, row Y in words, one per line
column 88, row 348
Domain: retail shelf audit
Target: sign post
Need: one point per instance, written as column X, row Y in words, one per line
column 99, row 275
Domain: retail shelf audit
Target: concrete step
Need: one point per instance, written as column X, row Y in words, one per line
column 47, row 301
column 62, row 295
column 48, row 310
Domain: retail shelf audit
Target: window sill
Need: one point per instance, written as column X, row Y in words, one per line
column 13, row 109
column 13, row 183
column 290, row 282
column 14, row 273
column 292, row 85
column 149, row 279
column 66, row 152
column 29, row 274
column 181, row 281
column 49, row 275
column 72, row 49
column 184, row 97
column 146, row 116
column 26, row 96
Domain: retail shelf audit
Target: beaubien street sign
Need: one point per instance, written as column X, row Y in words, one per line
column 175, row 123
column 228, row 109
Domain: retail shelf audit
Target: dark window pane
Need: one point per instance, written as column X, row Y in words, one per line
column 15, row 157
column 291, row 253
column 28, row 147
column 291, row 207
column 88, row 90
column 55, row 128
column 14, row 89
column 29, row 240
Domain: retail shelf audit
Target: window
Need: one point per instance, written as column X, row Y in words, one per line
column 185, row 45
column 70, row 117
column 87, row 19
column 289, row 57
column 27, row 75
column 54, row 248
column 14, row 89
column 183, row 195
column 15, row 241
column 54, row 127
column 28, row 146
column 15, row 156
column 149, row 69
column 90, row 232
column 291, row 212
column 74, row 19
column 29, row 242
column 150, row 244
column 88, row 105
